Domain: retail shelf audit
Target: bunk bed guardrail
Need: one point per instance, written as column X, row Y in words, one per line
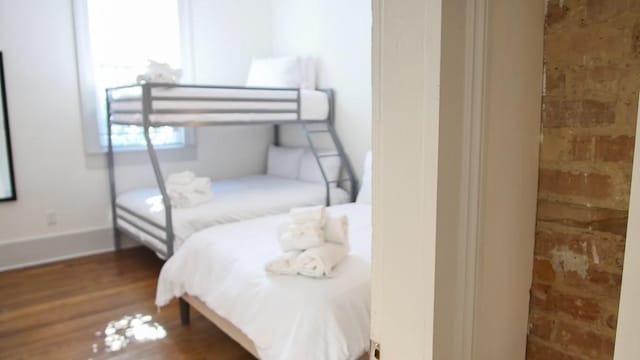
column 145, row 96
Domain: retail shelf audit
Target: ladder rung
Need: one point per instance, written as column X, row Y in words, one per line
column 338, row 181
column 328, row 155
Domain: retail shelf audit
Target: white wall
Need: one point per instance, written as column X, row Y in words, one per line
column 338, row 33
column 52, row 169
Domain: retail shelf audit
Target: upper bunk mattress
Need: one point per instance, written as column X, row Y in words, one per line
column 286, row 317
column 233, row 200
column 191, row 104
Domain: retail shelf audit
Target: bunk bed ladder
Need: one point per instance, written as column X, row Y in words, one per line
column 346, row 174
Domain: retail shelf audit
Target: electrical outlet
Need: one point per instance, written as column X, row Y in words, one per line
column 52, row 217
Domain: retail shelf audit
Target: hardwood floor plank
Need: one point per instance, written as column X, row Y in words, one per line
column 53, row 311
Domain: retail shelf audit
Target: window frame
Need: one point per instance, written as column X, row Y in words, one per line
column 87, row 86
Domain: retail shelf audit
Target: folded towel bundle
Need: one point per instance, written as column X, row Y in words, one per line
column 159, row 72
column 186, row 190
column 313, row 242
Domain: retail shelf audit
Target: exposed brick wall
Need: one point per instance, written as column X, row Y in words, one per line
column 592, row 77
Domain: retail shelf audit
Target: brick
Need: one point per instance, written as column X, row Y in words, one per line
column 554, row 81
column 583, row 217
column 561, row 182
column 583, row 341
column 540, row 351
column 583, row 148
column 596, row 283
column 541, row 326
column 578, row 113
column 543, row 271
column 635, row 40
column 602, row 148
column 601, row 10
column 556, row 12
column 604, row 251
column 618, row 148
column 578, row 307
column 589, row 81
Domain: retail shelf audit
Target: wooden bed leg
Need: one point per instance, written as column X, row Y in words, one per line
column 184, row 312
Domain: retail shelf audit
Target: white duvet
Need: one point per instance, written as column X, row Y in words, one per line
column 286, row 317
column 233, row 200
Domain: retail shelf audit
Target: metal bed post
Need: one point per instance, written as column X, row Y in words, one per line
column 117, row 242
column 353, row 182
column 146, row 110
column 315, row 153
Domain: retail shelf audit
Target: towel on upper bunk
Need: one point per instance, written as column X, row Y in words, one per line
column 160, row 73
column 185, row 190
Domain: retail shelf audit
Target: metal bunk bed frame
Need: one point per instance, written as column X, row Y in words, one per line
column 147, row 110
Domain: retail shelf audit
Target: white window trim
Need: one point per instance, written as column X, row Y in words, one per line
column 86, row 84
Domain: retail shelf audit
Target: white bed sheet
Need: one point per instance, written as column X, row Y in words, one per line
column 233, row 200
column 314, row 105
column 286, row 317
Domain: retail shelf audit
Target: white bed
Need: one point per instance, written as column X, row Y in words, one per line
column 285, row 317
column 233, row 200
column 281, row 105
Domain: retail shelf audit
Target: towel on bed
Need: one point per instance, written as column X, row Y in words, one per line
column 336, row 230
column 185, row 190
column 320, row 261
column 308, row 214
column 284, row 264
column 181, row 178
column 300, row 236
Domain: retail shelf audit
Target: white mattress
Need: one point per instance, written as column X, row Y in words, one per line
column 286, row 317
column 314, row 105
column 233, row 200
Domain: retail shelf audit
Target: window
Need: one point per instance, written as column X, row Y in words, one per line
column 114, row 40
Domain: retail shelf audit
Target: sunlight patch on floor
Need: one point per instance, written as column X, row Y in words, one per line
column 137, row 328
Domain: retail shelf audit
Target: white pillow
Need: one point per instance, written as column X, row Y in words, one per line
column 275, row 72
column 307, row 73
column 310, row 171
column 284, row 161
column 364, row 195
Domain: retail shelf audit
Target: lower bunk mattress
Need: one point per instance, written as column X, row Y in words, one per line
column 233, row 200
column 286, row 317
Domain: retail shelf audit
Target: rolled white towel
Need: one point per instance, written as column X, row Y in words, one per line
column 300, row 236
column 336, row 230
column 181, row 178
column 188, row 200
column 320, row 261
column 308, row 214
column 283, row 264
column 202, row 185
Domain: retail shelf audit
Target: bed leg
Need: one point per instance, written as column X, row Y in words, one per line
column 184, row 312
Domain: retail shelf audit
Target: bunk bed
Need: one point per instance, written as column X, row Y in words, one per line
column 281, row 317
column 165, row 104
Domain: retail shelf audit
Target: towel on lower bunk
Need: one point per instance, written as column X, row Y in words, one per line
column 185, row 190
column 313, row 243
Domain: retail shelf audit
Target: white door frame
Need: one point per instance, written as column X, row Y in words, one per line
column 471, row 143
column 476, row 226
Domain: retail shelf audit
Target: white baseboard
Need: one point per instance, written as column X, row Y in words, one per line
column 41, row 250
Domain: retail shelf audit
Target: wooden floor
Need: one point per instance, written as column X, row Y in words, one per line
column 54, row 312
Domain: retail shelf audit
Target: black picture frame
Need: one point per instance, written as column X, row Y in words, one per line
column 7, row 135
